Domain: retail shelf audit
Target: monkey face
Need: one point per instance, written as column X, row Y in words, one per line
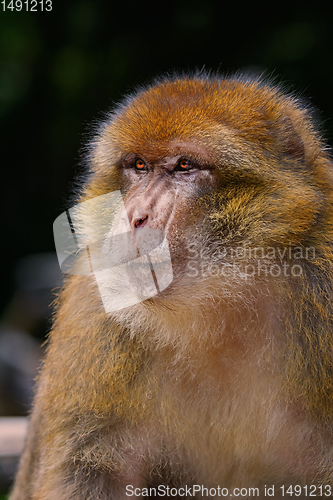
column 160, row 211
column 164, row 193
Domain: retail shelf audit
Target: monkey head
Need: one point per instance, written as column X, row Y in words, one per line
column 206, row 166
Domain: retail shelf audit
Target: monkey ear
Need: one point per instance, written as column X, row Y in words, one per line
column 292, row 142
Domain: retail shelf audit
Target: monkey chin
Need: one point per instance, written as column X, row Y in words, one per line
column 187, row 313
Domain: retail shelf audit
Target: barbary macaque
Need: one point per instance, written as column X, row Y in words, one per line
column 192, row 342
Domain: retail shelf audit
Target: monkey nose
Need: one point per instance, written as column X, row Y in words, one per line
column 139, row 221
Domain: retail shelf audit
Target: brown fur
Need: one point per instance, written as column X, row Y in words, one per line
column 217, row 380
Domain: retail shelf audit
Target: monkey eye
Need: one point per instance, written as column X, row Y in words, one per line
column 183, row 165
column 140, row 165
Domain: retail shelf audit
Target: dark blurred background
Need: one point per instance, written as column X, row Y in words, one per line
column 60, row 70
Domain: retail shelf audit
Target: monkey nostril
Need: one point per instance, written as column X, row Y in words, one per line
column 140, row 222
